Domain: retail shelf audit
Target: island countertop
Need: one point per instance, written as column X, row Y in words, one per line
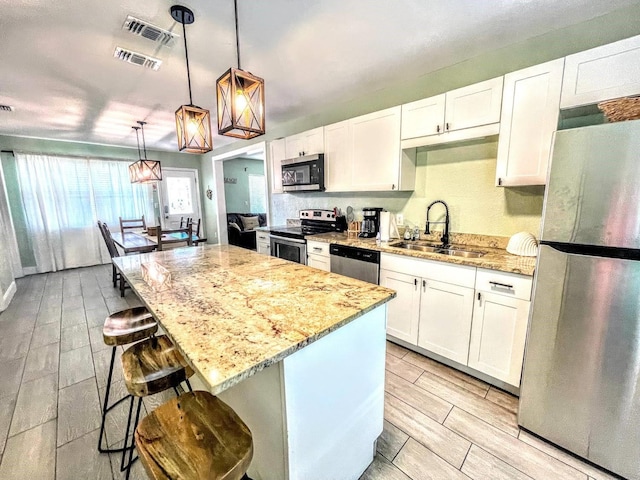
column 233, row 312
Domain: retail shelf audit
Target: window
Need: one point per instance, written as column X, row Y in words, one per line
column 256, row 193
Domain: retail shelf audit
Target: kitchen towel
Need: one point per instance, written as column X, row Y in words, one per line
column 385, row 223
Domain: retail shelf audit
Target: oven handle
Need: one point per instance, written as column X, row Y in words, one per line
column 287, row 239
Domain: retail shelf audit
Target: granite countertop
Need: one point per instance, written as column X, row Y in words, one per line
column 233, row 312
column 495, row 256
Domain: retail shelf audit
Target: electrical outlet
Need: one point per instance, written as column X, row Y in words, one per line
column 399, row 219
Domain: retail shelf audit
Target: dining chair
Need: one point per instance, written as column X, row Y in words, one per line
column 113, row 252
column 185, row 235
column 185, row 221
column 132, row 224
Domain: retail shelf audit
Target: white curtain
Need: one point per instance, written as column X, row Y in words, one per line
column 64, row 197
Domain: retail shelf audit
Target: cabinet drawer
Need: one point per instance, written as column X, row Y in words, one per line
column 318, row 248
column 262, row 236
column 461, row 275
column 502, row 283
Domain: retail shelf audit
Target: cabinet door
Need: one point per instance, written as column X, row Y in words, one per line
column 338, row 157
column 530, row 108
column 313, row 141
column 473, row 106
column 263, row 248
column 422, row 118
column 294, row 145
column 445, row 319
column 404, row 310
column 602, row 73
column 276, row 155
column 376, row 150
column 318, row 261
column 498, row 336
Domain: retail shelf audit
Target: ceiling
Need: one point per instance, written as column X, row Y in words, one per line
column 58, row 71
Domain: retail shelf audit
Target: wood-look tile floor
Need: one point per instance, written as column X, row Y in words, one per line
column 439, row 423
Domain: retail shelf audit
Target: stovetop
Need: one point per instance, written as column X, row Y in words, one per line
column 313, row 222
column 298, row 232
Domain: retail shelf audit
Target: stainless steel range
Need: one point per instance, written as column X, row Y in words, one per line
column 289, row 242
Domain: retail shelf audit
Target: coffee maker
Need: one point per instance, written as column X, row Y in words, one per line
column 370, row 222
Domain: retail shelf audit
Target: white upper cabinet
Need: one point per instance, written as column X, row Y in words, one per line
column 276, row 155
column 602, row 73
column 530, row 109
column 461, row 114
column 305, row 143
column 422, row 118
column 338, row 157
column 363, row 154
column 473, row 106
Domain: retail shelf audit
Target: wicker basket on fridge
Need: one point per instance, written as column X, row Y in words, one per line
column 621, row 109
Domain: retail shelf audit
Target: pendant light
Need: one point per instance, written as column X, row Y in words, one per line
column 240, row 97
column 193, row 124
column 133, row 168
column 148, row 170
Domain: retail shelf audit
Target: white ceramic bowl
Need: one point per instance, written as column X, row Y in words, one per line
column 523, row 244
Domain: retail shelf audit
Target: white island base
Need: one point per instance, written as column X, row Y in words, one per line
column 317, row 414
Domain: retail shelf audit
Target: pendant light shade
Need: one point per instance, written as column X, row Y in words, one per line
column 240, row 104
column 193, row 124
column 144, row 170
column 240, row 98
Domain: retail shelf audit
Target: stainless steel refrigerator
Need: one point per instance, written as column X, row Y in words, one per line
column 581, row 379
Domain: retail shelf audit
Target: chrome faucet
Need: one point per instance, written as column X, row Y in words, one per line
column 445, row 235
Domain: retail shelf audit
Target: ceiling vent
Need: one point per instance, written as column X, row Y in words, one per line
column 151, row 32
column 137, row 58
column 6, row 108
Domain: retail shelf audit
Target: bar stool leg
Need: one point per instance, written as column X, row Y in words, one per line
column 106, row 407
column 133, row 444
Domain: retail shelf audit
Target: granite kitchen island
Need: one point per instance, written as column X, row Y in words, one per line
column 297, row 352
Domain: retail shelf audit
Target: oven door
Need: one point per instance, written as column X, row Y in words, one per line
column 290, row 249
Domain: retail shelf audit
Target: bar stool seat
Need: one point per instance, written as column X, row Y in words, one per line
column 153, row 366
column 128, row 326
column 121, row 328
column 194, row 436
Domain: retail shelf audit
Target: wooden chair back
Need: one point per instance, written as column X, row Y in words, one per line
column 185, row 221
column 187, row 232
column 132, row 224
column 108, row 240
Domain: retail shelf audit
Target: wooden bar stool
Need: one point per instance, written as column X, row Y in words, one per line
column 195, row 436
column 120, row 328
column 150, row 366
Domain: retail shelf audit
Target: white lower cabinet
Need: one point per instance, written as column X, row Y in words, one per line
column 498, row 336
column 445, row 319
column 318, row 255
column 500, row 317
column 403, row 312
column 263, row 243
column 474, row 317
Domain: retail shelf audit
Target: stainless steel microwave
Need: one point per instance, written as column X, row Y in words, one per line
column 303, row 174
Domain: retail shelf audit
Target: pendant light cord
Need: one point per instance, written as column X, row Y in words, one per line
column 144, row 144
column 138, row 141
column 235, row 7
column 186, row 54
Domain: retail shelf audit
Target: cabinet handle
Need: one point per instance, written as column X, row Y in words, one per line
column 317, row 249
column 447, row 125
column 501, row 285
column 438, row 128
column 479, row 299
column 424, row 285
column 500, row 181
column 415, row 283
column 393, row 186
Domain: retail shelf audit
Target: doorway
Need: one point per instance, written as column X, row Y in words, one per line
column 256, row 185
column 179, row 197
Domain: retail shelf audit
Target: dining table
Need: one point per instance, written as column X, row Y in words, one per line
column 142, row 242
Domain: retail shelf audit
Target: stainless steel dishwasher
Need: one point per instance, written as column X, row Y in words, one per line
column 355, row 262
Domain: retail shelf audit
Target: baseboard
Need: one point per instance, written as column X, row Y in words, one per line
column 8, row 295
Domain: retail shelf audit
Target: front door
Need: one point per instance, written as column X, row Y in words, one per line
column 180, row 196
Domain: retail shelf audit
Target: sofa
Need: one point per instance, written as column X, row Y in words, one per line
column 241, row 232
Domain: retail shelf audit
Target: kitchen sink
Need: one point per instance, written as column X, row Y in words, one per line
column 451, row 251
